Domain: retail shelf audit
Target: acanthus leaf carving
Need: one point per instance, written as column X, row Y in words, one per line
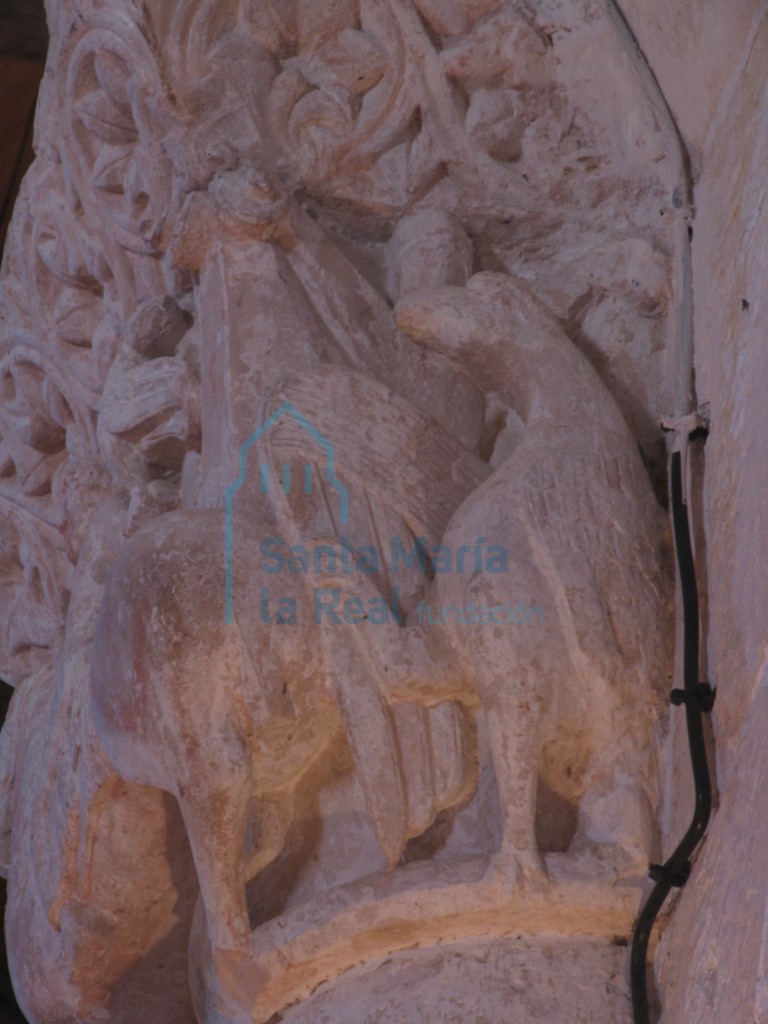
column 76, row 315
column 104, row 120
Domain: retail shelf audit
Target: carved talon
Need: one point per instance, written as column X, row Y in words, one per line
column 519, row 869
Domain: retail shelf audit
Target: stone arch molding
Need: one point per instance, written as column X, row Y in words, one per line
column 431, row 231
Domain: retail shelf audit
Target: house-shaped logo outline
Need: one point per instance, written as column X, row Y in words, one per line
column 286, row 409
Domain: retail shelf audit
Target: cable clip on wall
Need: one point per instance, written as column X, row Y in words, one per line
column 696, row 697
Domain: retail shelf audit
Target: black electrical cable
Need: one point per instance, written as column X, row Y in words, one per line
column 698, row 698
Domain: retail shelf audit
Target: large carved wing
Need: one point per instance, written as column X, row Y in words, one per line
column 403, row 476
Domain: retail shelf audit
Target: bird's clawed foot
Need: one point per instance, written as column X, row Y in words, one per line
column 523, row 870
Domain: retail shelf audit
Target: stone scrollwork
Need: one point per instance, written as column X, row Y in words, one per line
column 333, row 336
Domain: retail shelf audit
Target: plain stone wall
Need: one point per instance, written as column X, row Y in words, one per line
column 693, row 47
column 713, row 952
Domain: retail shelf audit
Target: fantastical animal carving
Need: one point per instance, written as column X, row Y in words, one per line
column 335, row 206
column 220, row 715
column 192, row 705
column 570, row 703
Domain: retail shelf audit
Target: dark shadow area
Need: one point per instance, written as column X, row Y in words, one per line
column 23, row 46
column 556, row 820
column 23, row 29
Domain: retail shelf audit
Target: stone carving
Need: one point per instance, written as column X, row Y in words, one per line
column 405, row 233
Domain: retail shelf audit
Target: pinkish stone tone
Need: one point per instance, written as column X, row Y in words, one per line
column 336, row 593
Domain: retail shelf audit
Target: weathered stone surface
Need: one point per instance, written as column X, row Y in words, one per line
column 510, row 980
column 694, row 52
column 338, row 593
